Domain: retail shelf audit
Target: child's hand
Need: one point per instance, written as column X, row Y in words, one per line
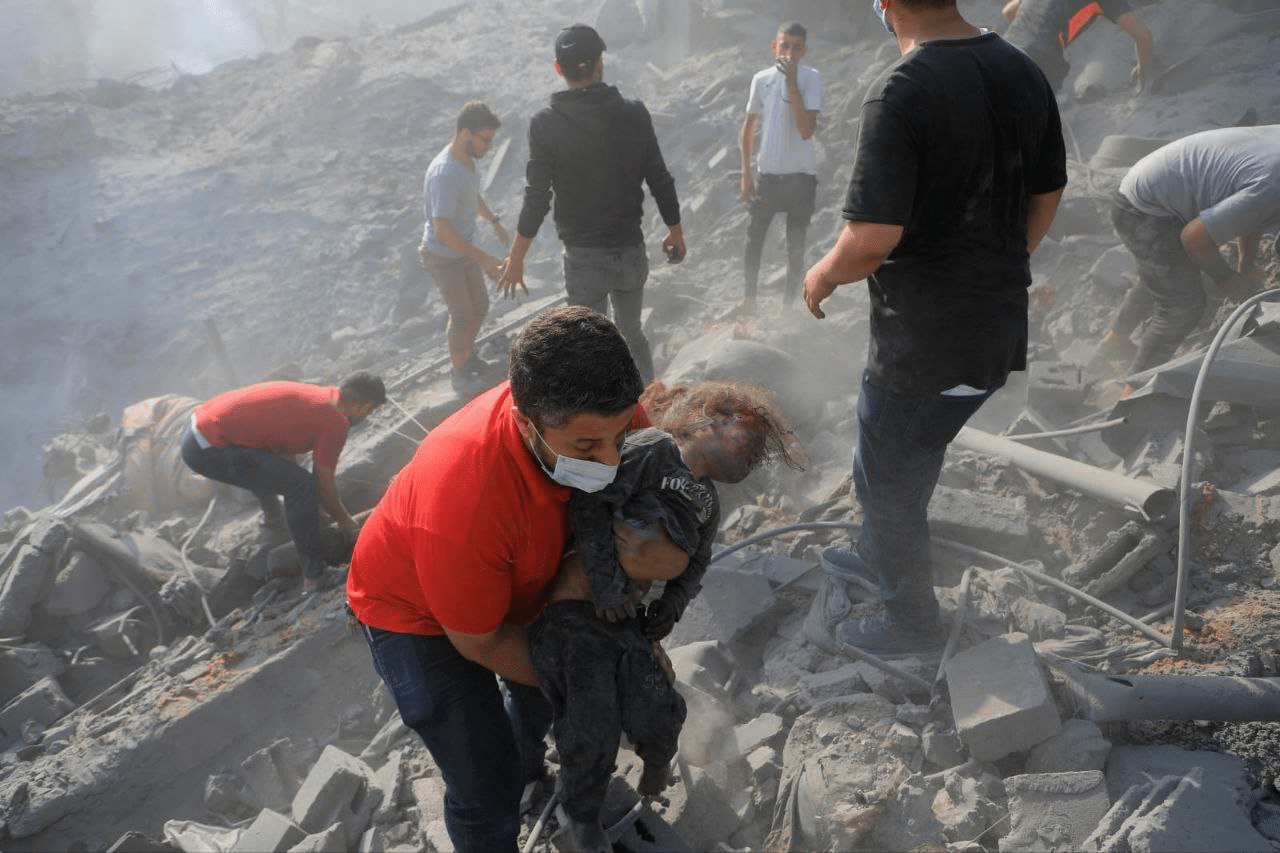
column 659, row 619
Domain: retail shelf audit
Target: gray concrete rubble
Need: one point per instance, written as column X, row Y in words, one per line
column 165, row 685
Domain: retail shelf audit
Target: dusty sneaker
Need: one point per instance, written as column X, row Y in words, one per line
column 882, row 635
column 844, row 563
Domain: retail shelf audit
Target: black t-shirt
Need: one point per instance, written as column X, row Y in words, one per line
column 954, row 139
column 1043, row 29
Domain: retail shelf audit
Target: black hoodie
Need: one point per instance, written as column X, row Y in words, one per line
column 592, row 149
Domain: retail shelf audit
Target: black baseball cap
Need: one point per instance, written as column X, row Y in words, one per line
column 577, row 44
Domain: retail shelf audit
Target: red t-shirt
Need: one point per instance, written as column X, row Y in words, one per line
column 278, row 417
column 469, row 534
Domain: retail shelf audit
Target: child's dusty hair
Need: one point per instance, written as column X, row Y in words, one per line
column 681, row 409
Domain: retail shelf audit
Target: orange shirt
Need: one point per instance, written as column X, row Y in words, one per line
column 278, row 417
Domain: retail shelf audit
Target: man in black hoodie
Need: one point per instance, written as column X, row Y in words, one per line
column 592, row 149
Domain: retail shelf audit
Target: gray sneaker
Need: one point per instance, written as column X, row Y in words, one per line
column 882, row 635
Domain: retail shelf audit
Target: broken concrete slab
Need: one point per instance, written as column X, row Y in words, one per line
column 1000, row 697
column 41, row 704
column 729, row 606
column 985, row 520
column 340, row 788
column 23, row 585
column 1054, row 811
column 1078, row 746
column 270, row 832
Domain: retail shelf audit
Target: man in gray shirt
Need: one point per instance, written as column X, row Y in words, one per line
column 451, row 192
column 1173, row 210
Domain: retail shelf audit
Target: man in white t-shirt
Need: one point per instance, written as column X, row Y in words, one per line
column 783, row 104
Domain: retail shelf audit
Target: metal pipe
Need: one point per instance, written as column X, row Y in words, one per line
column 1188, row 444
column 1058, row 433
column 1151, row 499
column 1107, row 698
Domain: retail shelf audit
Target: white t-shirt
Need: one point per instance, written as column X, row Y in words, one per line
column 1228, row 178
column 782, row 151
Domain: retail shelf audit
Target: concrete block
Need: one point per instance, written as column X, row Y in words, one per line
column 730, row 604
column 764, row 763
column 47, row 534
column 24, row 665
column 834, row 682
column 269, row 781
column 389, row 781
column 43, row 702
column 1078, row 746
column 1054, row 811
column 757, row 732
column 22, row 586
column 703, row 817
column 982, row 519
column 941, row 746
column 339, row 789
column 78, row 588
column 270, row 832
column 1000, row 697
column 332, row 839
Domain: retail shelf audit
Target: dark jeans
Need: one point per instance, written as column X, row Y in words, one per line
column 794, row 195
column 267, row 475
column 1168, row 291
column 603, row 678
column 897, row 457
column 596, row 277
column 486, row 744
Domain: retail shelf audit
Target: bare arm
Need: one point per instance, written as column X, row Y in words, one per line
column 504, row 650
column 489, row 216
column 746, row 143
column 1010, row 10
column 1143, row 43
column 330, row 502
column 1203, row 249
column 1247, row 244
column 449, row 236
column 859, row 251
column 1040, row 216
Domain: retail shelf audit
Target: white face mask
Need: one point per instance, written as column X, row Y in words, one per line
column 581, row 474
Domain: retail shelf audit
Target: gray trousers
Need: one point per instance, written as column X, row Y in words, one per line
column 595, row 278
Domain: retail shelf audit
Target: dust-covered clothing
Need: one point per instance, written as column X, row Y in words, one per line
column 594, row 150
column 449, row 191
column 652, row 484
column 1227, row 178
column 602, row 679
column 949, row 306
column 1044, row 28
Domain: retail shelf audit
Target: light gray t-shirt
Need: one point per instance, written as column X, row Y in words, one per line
column 1229, row 178
column 449, row 191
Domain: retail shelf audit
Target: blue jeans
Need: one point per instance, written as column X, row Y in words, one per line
column 486, row 745
column 897, row 457
column 267, row 475
column 596, row 277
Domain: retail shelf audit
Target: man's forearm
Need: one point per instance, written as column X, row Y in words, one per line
column 330, row 501
column 504, row 651
column 450, row 237
column 1040, row 216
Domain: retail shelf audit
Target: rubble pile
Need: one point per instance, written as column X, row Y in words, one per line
column 161, row 690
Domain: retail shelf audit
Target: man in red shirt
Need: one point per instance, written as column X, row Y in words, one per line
column 456, row 560
column 249, row 438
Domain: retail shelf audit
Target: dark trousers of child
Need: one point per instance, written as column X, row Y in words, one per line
column 602, row 678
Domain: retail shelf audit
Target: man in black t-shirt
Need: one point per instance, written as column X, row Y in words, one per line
column 958, row 172
column 1044, row 29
